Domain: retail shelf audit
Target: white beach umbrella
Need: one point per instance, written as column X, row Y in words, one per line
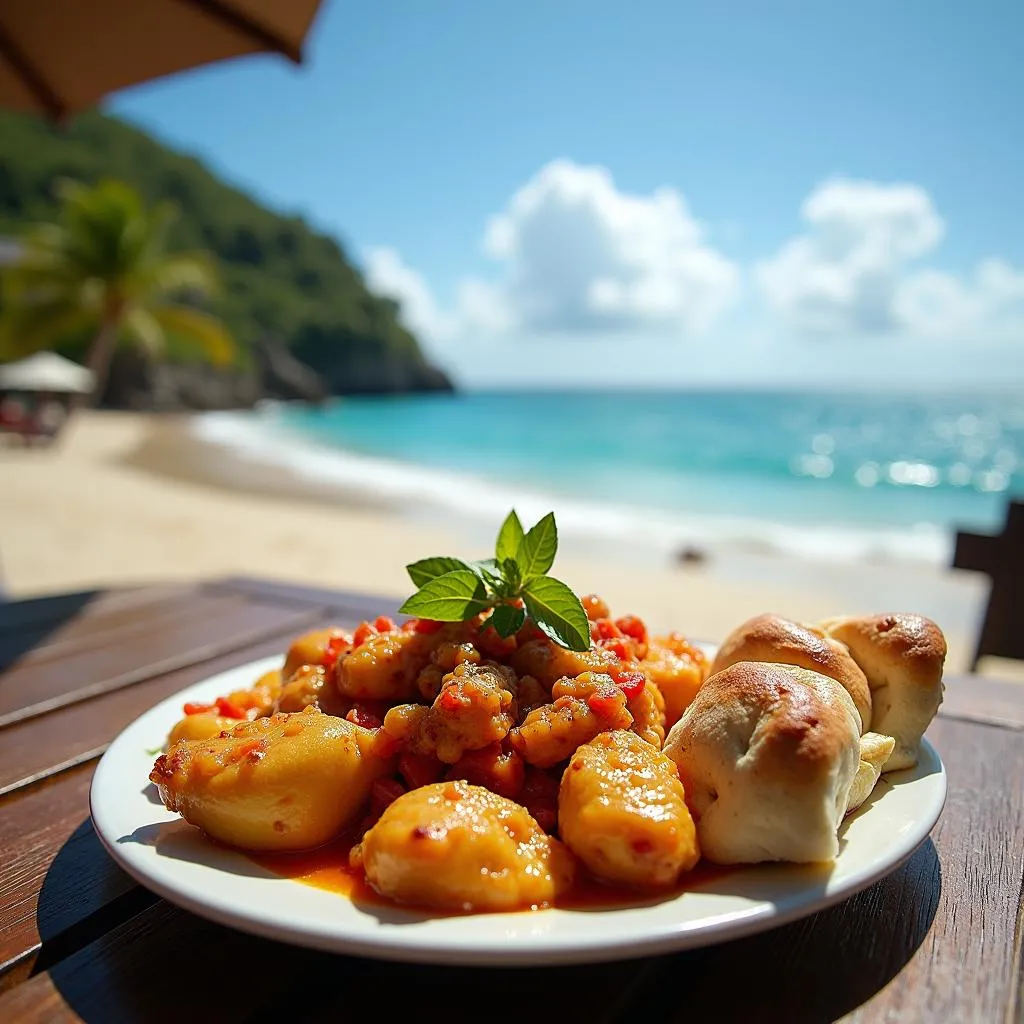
column 46, row 371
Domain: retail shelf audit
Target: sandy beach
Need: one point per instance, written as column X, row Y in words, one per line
column 126, row 498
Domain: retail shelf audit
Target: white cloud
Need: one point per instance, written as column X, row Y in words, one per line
column 852, row 273
column 843, row 275
column 577, row 255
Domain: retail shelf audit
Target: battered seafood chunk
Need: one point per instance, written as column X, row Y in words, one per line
column 621, row 811
column 311, row 648
column 547, row 662
column 312, row 684
column 456, row 846
column 446, row 656
column 648, row 711
column 385, row 667
column 583, row 707
column 678, row 670
column 288, row 782
column 474, row 709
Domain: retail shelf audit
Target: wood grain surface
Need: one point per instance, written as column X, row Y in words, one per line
column 937, row 940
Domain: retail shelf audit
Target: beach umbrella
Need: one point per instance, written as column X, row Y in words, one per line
column 61, row 56
column 46, row 372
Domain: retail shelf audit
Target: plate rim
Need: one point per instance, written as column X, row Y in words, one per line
column 600, row 946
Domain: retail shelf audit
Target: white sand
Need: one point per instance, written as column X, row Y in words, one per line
column 126, row 498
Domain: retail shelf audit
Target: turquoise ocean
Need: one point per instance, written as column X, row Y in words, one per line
column 836, row 476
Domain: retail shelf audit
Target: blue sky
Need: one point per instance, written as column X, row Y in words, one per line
column 842, row 179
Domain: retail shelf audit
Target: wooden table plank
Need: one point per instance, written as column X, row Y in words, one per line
column 978, row 699
column 40, row 746
column 45, row 848
column 217, row 623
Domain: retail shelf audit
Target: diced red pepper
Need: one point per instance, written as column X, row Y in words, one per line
column 228, row 709
column 363, row 633
column 361, row 715
column 384, row 624
column 606, row 629
column 619, row 647
column 449, row 700
column 335, row 646
column 634, row 627
column 629, row 680
column 198, row 709
column 427, row 625
column 603, row 702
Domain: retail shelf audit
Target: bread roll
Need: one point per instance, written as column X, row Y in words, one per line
column 902, row 657
column 775, row 639
column 875, row 750
column 767, row 754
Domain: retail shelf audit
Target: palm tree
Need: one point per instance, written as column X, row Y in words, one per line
column 104, row 266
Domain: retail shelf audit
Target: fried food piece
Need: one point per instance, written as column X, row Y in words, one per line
column 456, row 846
column 547, row 662
column 678, row 670
column 445, row 657
column 621, row 811
column 261, row 698
column 583, row 707
column 312, row 684
column 288, row 782
column 492, row 767
column 385, row 667
column 648, row 711
column 311, row 648
column 475, row 708
column 200, row 726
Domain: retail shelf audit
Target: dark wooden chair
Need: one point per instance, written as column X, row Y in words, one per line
column 1001, row 557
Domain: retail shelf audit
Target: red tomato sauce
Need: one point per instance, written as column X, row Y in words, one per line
column 328, row 868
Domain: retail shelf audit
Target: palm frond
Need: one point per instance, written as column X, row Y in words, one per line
column 197, row 329
column 145, row 330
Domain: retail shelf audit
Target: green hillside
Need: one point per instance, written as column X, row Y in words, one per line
column 281, row 279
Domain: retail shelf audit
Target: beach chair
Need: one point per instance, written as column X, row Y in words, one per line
column 1001, row 558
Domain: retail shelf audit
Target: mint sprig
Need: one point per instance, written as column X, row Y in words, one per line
column 514, row 584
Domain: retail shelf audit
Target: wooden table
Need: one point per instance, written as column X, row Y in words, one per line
column 938, row 940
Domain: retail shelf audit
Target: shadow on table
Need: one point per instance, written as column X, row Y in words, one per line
column 25, row 624
column 116, row 952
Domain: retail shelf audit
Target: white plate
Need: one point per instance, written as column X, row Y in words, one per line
column 163, row 853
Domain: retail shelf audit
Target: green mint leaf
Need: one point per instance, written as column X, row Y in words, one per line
column 510, row 536
column 557, row 612
column 507, row 619
column 427, row 569
column 536, row 553
column 488, row 570
column 510, row 571
column 453, row 597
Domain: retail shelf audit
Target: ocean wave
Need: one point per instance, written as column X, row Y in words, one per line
column 265, row 440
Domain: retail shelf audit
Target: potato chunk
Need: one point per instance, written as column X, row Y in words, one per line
column 621, row 811
column 311, row 648
column 677, row 669
column 547, row 662
column 456, row 846
column 385, row 667
column 200, row 727
column 288, row 782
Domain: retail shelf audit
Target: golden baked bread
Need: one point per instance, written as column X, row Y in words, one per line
column 775, row 639
column 875, row 750
column 902, row 656
column 767, row 754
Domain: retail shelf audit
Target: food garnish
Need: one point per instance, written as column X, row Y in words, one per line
column 513, row 585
